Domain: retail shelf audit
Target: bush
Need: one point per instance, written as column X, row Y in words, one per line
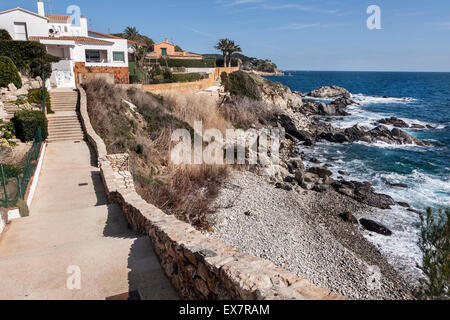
column 9, row 73
column 4, row 35
column 435, row 246
column 187, row 77
column 187, row 63
column 29, row 57
column 241, row 84
column 23, row 208
column 35, row 96
column 26, row 123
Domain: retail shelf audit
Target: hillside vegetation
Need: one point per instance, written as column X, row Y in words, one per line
column 185, row 191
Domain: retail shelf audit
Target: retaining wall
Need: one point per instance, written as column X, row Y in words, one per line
column 199, row 267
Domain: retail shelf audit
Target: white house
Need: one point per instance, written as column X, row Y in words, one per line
column 80, row 53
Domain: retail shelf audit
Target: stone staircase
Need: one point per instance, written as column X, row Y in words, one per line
column 64, row 124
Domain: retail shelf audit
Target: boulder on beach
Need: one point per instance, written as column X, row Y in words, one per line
column 374, row 226
column 348, row 217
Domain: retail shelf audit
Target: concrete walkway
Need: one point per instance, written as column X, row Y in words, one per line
column 71, row 224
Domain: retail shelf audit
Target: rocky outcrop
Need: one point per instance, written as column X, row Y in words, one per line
column 399, row 123
column 393, row 121
column 363, row 192
column 357, row 133
column 279, row 95
column 330, row 92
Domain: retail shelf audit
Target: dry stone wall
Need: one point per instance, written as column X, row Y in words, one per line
column 199, row 267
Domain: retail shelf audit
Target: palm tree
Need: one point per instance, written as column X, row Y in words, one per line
column 232, row 48
column 223, row 45
column 131, row 33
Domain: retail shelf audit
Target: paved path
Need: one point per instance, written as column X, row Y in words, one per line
column 72, row 225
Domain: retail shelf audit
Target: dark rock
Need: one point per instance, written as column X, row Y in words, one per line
column 283, row 186
column 417, row 126
column 373, row 226
column 348, row 217
column 289, row 179
column 344, row 173
column 297, row 163
column 299, row 177
column 366, row 194
column 342, row 102
column 321, row 188
column 327, row 165
column 403, row 204
column 320, row 171
column 314, row 160
column 430, row 127
column 394, row 122
column 331, row 159
column 398, row 185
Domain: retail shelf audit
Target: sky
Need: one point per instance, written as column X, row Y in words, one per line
column 295, row 34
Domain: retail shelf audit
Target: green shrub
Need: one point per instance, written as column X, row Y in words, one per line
column 9, row 73
column 7, row 132
column 4, row 35
column 23, row 208
column 10, row 171
column 26, row 123
column 35, row 96
column 187, row 63
column 241, row 84
column 434, row 243
column 187, row 77
column 28, row 56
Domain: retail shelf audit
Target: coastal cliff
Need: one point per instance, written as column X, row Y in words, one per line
column 301, row 200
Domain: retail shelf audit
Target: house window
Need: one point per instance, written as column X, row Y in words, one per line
column 20, row 30
column 92, row 56
column 118, row 56
column 164, row 52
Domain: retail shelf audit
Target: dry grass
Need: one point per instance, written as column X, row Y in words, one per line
column 193, row 107
column 185, row 191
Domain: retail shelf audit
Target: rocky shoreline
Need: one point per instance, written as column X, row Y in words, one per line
column 300, row 217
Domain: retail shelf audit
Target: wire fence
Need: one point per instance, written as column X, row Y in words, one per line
column 15, row 180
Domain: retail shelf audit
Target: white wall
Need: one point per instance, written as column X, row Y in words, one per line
column 36, row 26
column 118, row 45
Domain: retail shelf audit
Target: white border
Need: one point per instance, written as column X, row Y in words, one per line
column 36, row 176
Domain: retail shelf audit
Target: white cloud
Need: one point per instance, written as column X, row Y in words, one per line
column 298, row 26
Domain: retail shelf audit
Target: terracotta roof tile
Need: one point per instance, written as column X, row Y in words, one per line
column 58, row 17
column 69, row 38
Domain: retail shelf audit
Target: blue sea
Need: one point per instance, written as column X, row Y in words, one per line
column 422, row 98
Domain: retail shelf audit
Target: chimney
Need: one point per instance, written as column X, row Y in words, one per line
column 40, row 6
column 167, row 40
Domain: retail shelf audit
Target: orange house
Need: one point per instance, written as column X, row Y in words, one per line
column 167, row 49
